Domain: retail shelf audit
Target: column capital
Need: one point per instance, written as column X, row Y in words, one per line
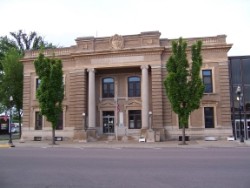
column 90, row 70
column 144, row 67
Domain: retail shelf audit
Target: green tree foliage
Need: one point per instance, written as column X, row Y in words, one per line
column 11, row 83
column 20, row 42
column 5, row 45
column 184, row 86
column 50, row 92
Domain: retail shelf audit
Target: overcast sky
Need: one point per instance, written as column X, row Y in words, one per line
column 62, row 21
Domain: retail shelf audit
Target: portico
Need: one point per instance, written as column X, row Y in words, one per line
column 112, row 96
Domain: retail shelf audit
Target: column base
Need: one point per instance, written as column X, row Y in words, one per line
column 143, row 132
column 91, row 135
column 150, row 135
column 80, row 135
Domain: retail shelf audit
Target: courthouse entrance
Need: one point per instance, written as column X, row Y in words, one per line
column 108, row 122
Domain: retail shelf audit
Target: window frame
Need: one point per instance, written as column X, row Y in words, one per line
column 38, row 82
column 211, row 84
column 134, row 91
column 110, row 92
column 38, row 121
column 209, row 116
column 137, row 117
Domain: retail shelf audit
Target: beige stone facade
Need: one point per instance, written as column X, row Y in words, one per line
column 114, row 86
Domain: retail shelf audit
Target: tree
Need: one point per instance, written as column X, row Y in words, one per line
column 31, row 41
column 21, row 42
column 183, row 83
column 50, row 92
column 5, row 45
column 11, row 83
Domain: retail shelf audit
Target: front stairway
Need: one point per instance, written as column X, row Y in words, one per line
column 112, row 137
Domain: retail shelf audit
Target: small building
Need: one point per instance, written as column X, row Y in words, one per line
column 239, row 68
column 114, row 87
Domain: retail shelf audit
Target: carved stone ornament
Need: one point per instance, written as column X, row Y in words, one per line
column 117, row 42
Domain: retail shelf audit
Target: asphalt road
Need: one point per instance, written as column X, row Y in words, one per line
column 125, row 168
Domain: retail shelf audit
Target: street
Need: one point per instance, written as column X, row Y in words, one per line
column 127, row 167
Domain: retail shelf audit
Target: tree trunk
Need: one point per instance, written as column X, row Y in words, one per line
column 183, row 122
column 53, row 136
column 183, row 135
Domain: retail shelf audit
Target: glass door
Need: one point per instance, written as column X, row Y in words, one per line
column 108, row 122
column 248, row 128
column 237, row 128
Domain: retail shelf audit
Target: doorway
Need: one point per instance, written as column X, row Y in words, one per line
column 108, row 122
column 245, row 128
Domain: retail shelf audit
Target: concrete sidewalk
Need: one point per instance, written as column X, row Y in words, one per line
column 127, row 144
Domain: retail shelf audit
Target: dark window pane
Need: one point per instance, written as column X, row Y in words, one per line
column 108, row 87
column 246, row 70
column 38, row 121
column 235, row 68
column 134, row 119
column 207, row 80
column 38, row 81
column 209, row 117
column 134, row 86
column 246, row 96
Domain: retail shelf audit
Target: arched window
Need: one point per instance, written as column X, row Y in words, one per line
column 108, row 87
column 134, row 86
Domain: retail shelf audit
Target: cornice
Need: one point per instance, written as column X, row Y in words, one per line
column 218, row 47
column 124, row 52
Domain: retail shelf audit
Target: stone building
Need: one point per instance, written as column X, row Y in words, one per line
column 114, row 87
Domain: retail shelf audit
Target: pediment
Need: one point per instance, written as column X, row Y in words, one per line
column 107, row 104
column 133, row 103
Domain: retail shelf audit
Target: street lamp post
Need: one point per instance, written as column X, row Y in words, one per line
column 150, row 119
column 84, row 121
column 10, row 133
column 239, row 98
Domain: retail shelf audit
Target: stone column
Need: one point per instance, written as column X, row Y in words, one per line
column 91, row 100
column 145, row 96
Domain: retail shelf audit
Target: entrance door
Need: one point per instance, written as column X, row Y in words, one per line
column 248, row 128
column 108, row 122
column 237, row 128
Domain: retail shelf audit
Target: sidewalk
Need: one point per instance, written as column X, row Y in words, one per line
column 127, row 144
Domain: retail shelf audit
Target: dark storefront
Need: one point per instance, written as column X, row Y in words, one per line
column 239, row 67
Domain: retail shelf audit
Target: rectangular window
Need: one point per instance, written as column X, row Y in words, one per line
column 38, row 121
column 207, row 80
column 209, row 117
column 59, row 125
column 108, row 88
column 134, row 119
column 134, row 86
column 38, row 81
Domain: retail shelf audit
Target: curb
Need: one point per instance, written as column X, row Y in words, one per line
column 4, row 146
column 167, row 144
